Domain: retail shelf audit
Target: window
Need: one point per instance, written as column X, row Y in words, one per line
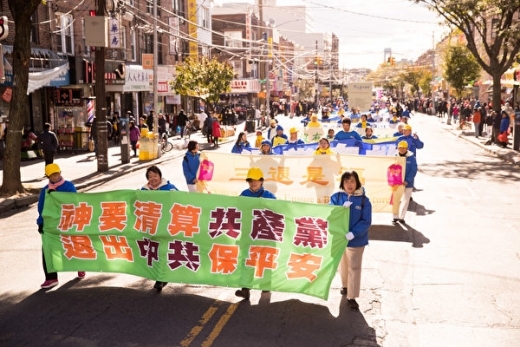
column 86, row 49
column 238, row 68
column 123, row 39
column 148, row 44
column 65, row 34
column 149, row 6
column 132, row 45
column 178, row 8
column 233, row 39
column 204, row 17
column 34, row 28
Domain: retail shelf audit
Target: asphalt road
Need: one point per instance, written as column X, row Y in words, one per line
column 451, row 277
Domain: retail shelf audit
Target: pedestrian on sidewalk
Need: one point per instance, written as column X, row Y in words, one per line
column 59, row 184
column 48, row 143
column 352, row 196
column 134, row 134
column 255, row 180
column 215, row 130
column 190, row 165
column 477, row 118
column 155, row 181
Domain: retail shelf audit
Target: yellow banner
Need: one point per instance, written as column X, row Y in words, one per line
column 302, row 178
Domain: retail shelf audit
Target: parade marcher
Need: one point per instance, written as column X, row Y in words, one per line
column 323, row 147
column 255, row 179
column 362, row 122
column 400, row 207
column 414, row 143
column 265, row 147
column 346, row 133
column 330, row 134
column 314, row 123
column 352, row 195
column 59, row 184
column 134, row 135
column 48, row 143
column 293, row 137
column 271, row 132
column 369, row 134
column 400, row 128
column 280, row 138
column 259, row 139
column 190, row 165
column 155, row 181
column 241, row 143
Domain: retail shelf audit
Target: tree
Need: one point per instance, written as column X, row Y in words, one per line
column 425, row 82
column 205, row 79
column 491, row 30
column 413, row 76
column 21, row 12
column 460, row 68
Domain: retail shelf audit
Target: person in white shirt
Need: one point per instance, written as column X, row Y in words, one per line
column 202, row 117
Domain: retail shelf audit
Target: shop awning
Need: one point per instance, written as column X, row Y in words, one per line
column 56, row 77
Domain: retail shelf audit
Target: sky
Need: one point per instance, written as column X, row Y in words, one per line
column 366, row 27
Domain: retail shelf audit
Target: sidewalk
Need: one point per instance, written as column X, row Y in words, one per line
column 81, row 168
column 506, row 154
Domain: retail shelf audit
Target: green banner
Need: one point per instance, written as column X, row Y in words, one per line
column 197, row 238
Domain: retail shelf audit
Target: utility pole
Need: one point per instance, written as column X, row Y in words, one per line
column 264, row 70
column 101, row 108
column 316, row 77
column 155, row 90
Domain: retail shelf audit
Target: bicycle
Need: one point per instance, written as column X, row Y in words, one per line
column 166, row 145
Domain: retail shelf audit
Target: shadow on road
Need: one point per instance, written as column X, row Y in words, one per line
column 84, row 313
column 398, row 233
column 475, row 169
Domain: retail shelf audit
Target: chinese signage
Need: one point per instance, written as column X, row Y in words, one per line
column 245, row 86
column 137, row 79
column 114, row 33
column 197, row 238
column 302, row 178
column 67, row 97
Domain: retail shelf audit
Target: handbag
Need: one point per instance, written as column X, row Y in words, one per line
column 91, row 145
column 502, row 137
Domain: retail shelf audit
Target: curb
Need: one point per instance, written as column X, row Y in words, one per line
column 12, row 204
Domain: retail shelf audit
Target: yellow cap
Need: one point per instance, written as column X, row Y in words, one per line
column 272, row 121
column 51, row 169
column 407, row 127
column 293, row 130
column 402, row 144
column 255, row 173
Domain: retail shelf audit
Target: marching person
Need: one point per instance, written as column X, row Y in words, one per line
column 352, row 195
column 155, row 181
column 414, row 143
column 293, row 137
column 369, row 134
column 59, row 184
column 241, row 143
column 346, row 133
column 190, row 165
column 409, row 176
column 323, row 147
column 265, row 148
column 255, row 179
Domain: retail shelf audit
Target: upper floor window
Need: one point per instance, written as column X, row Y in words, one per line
column 178, row 8
column 204, row 17
column 65, row 34
column 233, row 39
column 133, row 48
column 149, row 7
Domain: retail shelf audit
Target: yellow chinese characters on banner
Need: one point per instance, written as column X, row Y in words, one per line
column 310, row 179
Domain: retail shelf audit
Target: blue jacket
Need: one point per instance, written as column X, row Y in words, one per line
column 68, row 186
column 190, row 166
column 504, row 124
column 343, row 135
column 360, row 215
column 410, row 169
column 413, row 143
column 371, row 138
column 238, row 148
column 165, row 185
column 262, row 193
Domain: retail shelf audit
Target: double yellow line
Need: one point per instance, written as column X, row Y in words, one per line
column 195, row 331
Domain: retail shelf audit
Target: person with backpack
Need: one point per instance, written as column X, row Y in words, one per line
column 352, row 196
column 190, row 165
column 48, row 143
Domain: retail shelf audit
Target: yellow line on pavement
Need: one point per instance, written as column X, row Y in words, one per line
column 220, row 325
column 198, row 328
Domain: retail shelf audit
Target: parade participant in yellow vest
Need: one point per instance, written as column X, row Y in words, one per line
column 323, row 148
column 363, row 122
column 293, row 139
column 314, row 122
column 280, row 138
column 259, row 139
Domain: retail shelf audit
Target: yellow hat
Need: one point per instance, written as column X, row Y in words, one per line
column 272, row 121
column 255, row 173
column 407, row 127
column 293, row 130
column 51, row 169
column 402, row 144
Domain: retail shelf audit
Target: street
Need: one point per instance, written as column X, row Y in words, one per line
column 449, row 277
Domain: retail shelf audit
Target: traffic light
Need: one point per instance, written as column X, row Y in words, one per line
column 4, row 29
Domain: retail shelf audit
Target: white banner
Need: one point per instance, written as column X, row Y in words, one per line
column 310, row 179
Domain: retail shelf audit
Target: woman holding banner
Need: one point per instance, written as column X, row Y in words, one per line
column 255, row 179
column 352, row 195
column 157, row 182
column 323, row 147
column 59, row 184
column 265, row 148
column 241, row 143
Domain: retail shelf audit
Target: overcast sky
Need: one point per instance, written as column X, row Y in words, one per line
column 366, row 27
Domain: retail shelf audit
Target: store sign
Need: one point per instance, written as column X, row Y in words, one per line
column 67, row 97
column 114, row 72
column 244, row 86
column 137, row 79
